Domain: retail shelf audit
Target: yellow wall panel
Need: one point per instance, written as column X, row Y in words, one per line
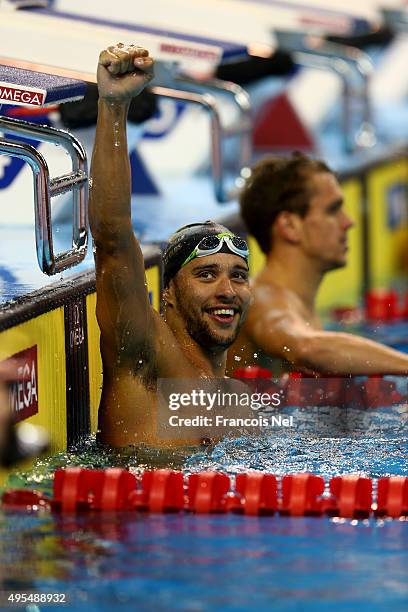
column 388, row 222
column 256, row 257
column 47, row 332
column 153, row 285
column 94, row 356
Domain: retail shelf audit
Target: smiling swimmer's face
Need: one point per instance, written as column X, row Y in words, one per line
column 326, row 224
column 212, row 296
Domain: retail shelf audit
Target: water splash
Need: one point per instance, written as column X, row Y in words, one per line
column 374, row 444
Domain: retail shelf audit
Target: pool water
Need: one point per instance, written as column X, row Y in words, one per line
column 221, row 562
column 225, row 562
column 191, row 563
column 228, row 562
column 391, row 333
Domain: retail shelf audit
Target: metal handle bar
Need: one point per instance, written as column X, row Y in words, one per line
column 45, row 188
column 341, row 59
column 365, row 136
column 242, row 127
column 396, row 18
column 341, row 69
column 192, row 93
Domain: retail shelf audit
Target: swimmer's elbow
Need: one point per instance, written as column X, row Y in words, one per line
column 317, row 352
column 306, row 352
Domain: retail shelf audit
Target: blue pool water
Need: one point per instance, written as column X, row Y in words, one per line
column 225, row 562
column 228, row 562
column 189, row 563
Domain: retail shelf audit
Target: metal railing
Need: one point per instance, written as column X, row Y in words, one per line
column 76, row 181
column 187, row 90
column 46, row 188
column 346, row 62
column 397, row 19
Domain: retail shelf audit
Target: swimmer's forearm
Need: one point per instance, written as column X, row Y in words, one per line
column 343, row 354
column 123, row 309
column 110, row 193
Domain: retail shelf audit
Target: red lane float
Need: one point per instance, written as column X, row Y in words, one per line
column 257, row 493
column 254, row 493
column 207, row 492
column 382, row 305
column 304, row 390
column 301, row 495
column 405, row 307
column 79, row 488
column 161, row 491
column 253, row 371
column 392, row 496
column 352, row 496
column 24, row 499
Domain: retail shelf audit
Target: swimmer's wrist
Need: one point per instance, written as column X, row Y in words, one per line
column 115, row 106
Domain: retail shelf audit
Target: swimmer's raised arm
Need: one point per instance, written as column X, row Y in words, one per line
column 123, row 310
column 281, row 331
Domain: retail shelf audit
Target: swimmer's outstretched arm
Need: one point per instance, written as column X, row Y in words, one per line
column 123, row 310
column 284, row 333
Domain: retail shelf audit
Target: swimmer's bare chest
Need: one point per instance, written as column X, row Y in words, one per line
column 128, row 413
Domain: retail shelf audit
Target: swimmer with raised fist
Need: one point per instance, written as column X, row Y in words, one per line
column 206, row 292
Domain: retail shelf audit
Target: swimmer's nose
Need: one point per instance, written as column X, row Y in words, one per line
column 348, row 222
column 225, row 288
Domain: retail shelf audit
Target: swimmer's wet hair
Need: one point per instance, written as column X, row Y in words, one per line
column 183, row 242
column 277, row 184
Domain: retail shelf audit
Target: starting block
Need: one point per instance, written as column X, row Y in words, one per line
column 37, row 89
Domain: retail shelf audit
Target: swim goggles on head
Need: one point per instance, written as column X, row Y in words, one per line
column 213, row 244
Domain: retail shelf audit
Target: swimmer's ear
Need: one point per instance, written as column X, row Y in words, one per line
column 288, row 225
column 168, row 296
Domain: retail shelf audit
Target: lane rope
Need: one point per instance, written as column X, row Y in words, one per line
column 253, row 493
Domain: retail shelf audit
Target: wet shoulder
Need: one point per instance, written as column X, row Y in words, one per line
column 171, row 358
column 270, row 299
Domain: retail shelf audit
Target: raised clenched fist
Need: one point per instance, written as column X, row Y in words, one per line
column 123, row 72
